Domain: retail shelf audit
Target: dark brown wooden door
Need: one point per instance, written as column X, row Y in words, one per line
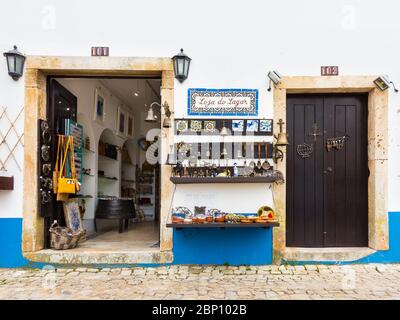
column 327, row 191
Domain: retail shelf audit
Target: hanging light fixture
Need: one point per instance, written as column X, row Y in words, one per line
column 152, row 118
column 181, row 66
column 15, row 63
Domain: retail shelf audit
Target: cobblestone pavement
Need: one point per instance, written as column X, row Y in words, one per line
column 208, row 282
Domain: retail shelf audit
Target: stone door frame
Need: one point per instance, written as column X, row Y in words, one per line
column 36, row 71
column 378, row 236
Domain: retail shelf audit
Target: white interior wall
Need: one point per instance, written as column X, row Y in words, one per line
column 233, row 44
column 84, row 90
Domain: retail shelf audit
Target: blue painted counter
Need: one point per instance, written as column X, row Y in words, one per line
column 233, row 246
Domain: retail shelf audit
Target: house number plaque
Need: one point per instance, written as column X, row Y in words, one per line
column 100, row 51
column 329, row 71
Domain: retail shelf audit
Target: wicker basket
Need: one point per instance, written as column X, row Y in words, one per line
column 63, row 238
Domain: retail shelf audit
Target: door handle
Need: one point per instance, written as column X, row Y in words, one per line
column 328, row 170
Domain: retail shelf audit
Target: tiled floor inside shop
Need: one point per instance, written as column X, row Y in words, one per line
column 140, row 244
column 140, row 236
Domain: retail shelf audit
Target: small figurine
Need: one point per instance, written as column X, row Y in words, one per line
column 235, row 170
column 179, row 169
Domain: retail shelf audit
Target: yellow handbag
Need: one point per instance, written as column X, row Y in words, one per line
column 67, row 184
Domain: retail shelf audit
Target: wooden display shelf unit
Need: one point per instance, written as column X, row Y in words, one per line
column 195, row 180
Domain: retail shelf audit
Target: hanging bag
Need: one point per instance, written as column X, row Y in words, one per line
column 67, row 184
column 56, row 171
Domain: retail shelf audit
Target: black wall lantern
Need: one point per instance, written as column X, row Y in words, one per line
column 15, row 63
column 181, row 66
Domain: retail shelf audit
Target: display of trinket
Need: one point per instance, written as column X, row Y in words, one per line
column 195, row 125
column 265, row 214
column 209, row 219
column 199, row 215
column 180, row 214
column 200, row 218
column 209, row 125
column 235, row 170
column 181, row 125
column 199, row 210
column 177, row 219
column 233, row 218
column 219, row 217
column 215, row 215
column 183, row 210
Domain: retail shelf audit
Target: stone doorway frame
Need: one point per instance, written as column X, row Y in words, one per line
column 378, row 236
column 36, row 71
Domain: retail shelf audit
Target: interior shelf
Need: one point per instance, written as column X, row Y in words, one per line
column 128, row 180
column 107, row 178
column 195, row 180
column 82, row 196
column 107, row 158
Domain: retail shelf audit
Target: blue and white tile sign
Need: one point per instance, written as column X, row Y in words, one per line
column 222, row 102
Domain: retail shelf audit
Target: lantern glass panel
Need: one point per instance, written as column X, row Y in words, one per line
column 11, row 63
column 180, row 66
column 19, row 64
column 187, row 64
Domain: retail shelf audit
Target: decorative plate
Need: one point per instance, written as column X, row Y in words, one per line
column 195, row 125
column 237, row 125
column 266, row 125
column 209, row 125
column 252, row 125
column 181, row 125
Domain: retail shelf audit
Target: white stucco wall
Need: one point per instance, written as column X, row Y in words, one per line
column 233, row 44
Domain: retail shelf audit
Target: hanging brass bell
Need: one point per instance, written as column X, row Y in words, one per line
column 167, row 122
column 282, row 139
